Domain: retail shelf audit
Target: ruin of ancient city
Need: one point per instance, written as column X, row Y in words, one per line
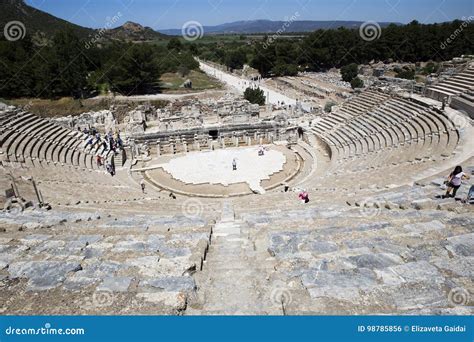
column 261, row 167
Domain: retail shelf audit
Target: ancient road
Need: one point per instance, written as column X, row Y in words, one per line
column 241, row 84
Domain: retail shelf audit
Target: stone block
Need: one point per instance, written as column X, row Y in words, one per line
column 115, row 284
column 424, row 204
column 420, row 271
column 423, row 227
column 372, row 261
column 462, row 245
column 43, row 275
column 173, row 284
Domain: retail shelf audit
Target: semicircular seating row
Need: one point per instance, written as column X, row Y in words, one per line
column 375, row 129
column 459, row 83
column 28, row 139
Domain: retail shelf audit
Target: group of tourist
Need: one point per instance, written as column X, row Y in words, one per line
column 109, row 142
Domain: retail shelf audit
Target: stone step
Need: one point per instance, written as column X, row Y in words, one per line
column 234, row 311
column 228, row 264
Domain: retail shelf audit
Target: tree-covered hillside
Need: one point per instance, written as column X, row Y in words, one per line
column 324, row 49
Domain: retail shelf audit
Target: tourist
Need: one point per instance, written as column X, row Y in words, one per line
column 110, row 169
column 119, row 141
column 261, row 151
column 234, row 165
column 99, row 161
column 454, row 181
column 90, row 142
column 172, row 195
column 304, row 196
column 142, row 185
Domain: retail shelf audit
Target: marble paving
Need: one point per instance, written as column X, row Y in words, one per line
column 215, row 167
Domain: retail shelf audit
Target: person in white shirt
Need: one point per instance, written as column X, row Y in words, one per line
column 455, row 179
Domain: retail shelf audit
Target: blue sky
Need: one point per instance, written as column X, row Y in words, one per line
column 162, row 14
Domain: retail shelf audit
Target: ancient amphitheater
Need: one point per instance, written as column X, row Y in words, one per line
column 375, row 237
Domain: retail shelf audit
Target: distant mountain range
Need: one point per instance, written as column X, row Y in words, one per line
column 42, row 25
column 269, row 26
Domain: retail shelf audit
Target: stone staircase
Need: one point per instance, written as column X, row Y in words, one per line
column 231, row 282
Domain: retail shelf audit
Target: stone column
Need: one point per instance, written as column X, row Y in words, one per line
column 209, row 142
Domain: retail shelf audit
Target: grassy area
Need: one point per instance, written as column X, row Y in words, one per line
column 68, row 106
column 172, row 82
column 60, row 107
column 65, row 106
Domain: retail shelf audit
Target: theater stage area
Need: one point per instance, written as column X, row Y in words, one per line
column 211, row 173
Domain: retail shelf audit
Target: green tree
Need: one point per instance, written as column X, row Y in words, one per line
column 349, row 72
column 68, row 65
column 405, row 72
column 255, row 96
column 137, row 72
column 430, row 68
column 193, row 49
column 264, row 58
column 235, row 59
column 174, row 44
column 328, row 106
column 282, row 69
column 357, row 83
